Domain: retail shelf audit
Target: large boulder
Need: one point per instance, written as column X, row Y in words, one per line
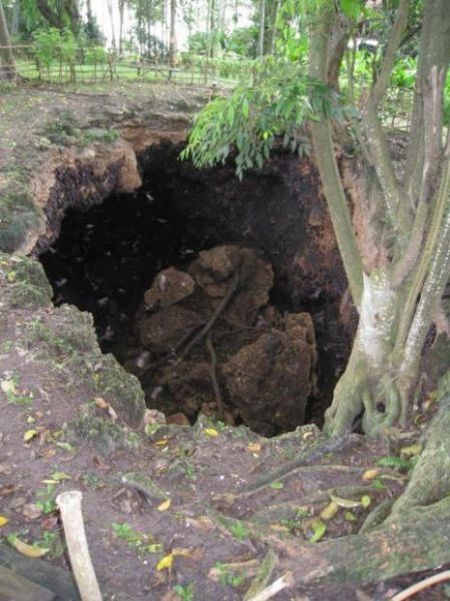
column 270, row 380
column 223, row 267
column 170, row 286
column 164, row 330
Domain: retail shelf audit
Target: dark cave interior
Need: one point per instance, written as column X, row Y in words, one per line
column 107, row 256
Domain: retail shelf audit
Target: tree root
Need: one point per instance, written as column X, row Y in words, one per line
column 273, row 589
column 377, row 515
column 331, row 445
column 282, row 511
column 215, row 316
column 214, row 381
column 417, row 540
column 429, row 481
column 262, row 577
column 421, row 586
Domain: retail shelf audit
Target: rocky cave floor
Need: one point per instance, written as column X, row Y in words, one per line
column 173, row 511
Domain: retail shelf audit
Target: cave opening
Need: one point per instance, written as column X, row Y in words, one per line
column 155, row 267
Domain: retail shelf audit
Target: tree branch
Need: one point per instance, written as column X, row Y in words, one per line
column 374, row 134
column 326, row 161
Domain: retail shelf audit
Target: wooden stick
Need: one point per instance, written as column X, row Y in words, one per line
column 421, row 585
column 69, row 504
column 278, row 585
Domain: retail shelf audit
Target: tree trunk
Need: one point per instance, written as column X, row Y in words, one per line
column 15, row 18
column 273, row 27
column 173, row 39
column 7, row 66
column 121, row 13
column 109, row 6
column 399, row 297
column 262, row 27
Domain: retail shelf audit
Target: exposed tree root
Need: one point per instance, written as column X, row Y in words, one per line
column 417, row 540
column 421, row 586
column 283, row 511
column 331, row 445
column 214, row 381
column 235, row 283
column 430, row 478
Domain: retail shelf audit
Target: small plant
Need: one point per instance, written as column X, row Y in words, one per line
column 108, row 136
column 46, row 498
column 185, row 591
column 63, row 129
column 53, row 542
column 239, row 530
column 143, row 543
column 13, row 395
column 405, row 464
column 92, row 481
column 229, row 577
column 295, row 523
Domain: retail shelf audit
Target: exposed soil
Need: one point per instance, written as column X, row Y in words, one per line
column 230, row 510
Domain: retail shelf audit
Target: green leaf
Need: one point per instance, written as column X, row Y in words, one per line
column 230, row 115
column 245, row 108
column 366, row 501
column 319, row 528
column 351, row 8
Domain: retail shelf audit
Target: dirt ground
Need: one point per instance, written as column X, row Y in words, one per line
column 171, row 512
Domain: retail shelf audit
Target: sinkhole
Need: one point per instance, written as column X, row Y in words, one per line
column 222, row 296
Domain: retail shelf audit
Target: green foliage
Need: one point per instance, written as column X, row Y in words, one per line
column 143, row 543
column 239, row 530
column 96, row 55
column 46, row 498
column 45, row 47
column 352, row 8
column 54, row 46
column 397, row 463
column 63, row 129
column 247, row 123
column 185, row 591
column 229, row 577
column 68, row 47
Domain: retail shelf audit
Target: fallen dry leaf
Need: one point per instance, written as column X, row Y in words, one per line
column 25, row 548
column 254, row 447
column 370, row 474
column 100, row 402
column 165, row 563
column 211, row 432
column 164, row 505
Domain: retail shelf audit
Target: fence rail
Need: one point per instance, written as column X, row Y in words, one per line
column 60, row 64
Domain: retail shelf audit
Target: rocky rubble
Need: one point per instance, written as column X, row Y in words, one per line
column 211, row 343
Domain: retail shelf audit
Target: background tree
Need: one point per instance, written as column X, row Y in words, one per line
column 7, row 65
column 61, row 13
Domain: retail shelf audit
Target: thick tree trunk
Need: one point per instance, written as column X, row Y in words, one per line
column 7, row 64
column 400, row 296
